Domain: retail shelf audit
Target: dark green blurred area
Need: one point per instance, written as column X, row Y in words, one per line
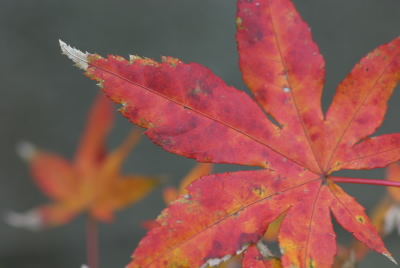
column 45, row 100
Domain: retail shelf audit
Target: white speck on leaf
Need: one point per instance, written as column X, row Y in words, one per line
column 286, row 89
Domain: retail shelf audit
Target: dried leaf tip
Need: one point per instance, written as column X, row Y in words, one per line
column 77, row 56
column 26, row 150
column 390, row 257
column 29, row 220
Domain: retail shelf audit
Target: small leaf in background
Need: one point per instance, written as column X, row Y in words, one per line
column 92, row 182
column 191, row 112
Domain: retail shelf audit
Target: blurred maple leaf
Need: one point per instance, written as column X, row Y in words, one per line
column 92, row 182
column 190, row 111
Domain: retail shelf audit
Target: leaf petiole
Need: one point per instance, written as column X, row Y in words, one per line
column 365, row 181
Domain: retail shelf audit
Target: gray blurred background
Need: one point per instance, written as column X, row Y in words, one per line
column 45, row 100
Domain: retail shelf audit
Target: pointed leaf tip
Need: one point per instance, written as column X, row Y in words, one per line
column 390, row 257
column 77, row 56
column 26, row 150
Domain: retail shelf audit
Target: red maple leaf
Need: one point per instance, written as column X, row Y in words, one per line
column 190, row 111
column 92, row 182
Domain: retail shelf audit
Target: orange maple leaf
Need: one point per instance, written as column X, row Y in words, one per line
column 92, row 182
column 190, row 111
